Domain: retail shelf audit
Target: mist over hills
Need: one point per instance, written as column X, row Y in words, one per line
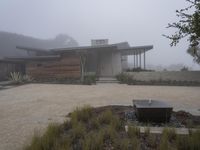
column 9, row 41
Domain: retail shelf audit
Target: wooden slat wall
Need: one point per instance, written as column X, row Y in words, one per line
column 66, row 67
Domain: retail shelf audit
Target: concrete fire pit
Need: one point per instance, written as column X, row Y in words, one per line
column 152, row 110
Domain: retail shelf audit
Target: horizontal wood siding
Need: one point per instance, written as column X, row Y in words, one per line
column 67, row 67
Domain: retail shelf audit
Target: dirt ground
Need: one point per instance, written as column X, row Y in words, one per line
column 29, row 107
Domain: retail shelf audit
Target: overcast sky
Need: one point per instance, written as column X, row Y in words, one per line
column 140, row 22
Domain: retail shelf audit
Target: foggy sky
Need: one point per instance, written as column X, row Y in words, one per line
column 140, row 22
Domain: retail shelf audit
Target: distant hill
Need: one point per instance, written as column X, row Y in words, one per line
column 9, row 41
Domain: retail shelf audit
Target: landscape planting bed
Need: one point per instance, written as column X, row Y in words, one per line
column 31, row 107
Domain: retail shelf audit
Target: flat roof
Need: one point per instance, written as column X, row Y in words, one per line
column 32, row 58
column 122, row 47
column 136, row 50
column 82, row 48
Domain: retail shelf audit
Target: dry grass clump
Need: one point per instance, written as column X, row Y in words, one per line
column 46, row 141
column 191, row 142
column 81, row 114
column 88, row 130
column 133, row 132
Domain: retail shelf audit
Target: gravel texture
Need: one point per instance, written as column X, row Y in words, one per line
column 24, row 109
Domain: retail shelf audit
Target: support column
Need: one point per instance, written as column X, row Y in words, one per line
column 140, row 61
column 136, row 59
column 144, row 60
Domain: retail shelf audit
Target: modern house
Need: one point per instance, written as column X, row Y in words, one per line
column 101, row 58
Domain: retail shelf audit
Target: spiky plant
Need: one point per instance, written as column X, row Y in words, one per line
column 16, row 77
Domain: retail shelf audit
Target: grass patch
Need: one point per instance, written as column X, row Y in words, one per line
column 46, row 141
column 190, row 142
column 81, row 114
column 133, row 132
column 89, row 129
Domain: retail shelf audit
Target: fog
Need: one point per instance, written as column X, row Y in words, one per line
column 138, row 22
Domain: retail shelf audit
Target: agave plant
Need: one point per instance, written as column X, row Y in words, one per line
column 16, row 77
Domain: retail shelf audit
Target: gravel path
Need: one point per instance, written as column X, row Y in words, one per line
column 26, row 108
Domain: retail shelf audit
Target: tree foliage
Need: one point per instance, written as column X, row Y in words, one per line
column 188, row 26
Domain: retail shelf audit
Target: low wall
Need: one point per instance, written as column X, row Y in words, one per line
column 167, row 75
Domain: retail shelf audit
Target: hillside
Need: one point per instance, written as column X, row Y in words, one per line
column 9, row 41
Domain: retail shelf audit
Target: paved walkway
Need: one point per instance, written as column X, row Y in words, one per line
column 25, row 108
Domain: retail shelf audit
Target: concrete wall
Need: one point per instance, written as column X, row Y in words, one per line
column 110, row 64
column 167, row 75
column 124, row 60
column 116, row 63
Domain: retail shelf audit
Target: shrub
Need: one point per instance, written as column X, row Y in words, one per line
column 125, row 78
column 89, row 79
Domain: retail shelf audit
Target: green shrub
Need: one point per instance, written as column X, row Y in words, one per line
column 89, row 79
column 125, row 78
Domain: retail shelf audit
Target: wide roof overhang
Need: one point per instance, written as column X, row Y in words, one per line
column 136, row 50
column 32, row 58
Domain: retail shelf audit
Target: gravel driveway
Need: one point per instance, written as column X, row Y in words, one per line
column 26, row 108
